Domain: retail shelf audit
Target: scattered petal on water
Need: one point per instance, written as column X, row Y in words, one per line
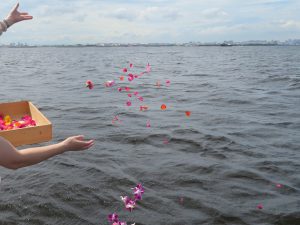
column 135, row 93
column 121, row 78
column 148, row 124
column 125, row 70
column 89, row 84
column 168, row 82
column 141, row 98
column 259, row 206
column 157, row 84
column 166, row 141
column 148, row 68
column 163, row 107
column 128, row 103
column 188, row 113
column 129, row 95
column 127, row 89
column 130, row 77
column 110, row 83
column 138, row 191
column 131, row 65
column 119, row 89
column 144, row 107
column 279, row 185
column 113, row 218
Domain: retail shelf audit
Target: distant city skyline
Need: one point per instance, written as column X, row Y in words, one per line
column 152, row 21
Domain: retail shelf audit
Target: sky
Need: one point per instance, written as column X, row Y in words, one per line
column 152, row 21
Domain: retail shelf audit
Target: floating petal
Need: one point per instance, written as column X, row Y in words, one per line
column 89, row 84
column 188, row 113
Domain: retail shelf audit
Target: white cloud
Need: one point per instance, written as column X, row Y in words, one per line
column 292, row 24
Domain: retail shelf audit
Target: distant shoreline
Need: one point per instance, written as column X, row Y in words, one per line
column 141, row 45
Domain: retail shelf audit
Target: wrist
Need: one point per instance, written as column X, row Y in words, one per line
column 8, row 21
column 61, row 147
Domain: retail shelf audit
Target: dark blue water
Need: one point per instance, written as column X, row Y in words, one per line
column 242, row 138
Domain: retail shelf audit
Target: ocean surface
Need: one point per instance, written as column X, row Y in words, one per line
column 215, row 167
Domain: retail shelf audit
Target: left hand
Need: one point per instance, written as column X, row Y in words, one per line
column 15, row 16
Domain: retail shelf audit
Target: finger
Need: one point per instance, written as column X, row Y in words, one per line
column 88, row 146
column 26, row 17
column 79, row 137
column 23, row 13
column 87, row 142
column 15, row 8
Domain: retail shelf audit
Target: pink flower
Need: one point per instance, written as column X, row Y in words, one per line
column 148, row 68
column 127, row 89
column 109, row 83
column 129, row 95
column 130, row 77
column 141, row 98
column 128, row 103
column 129, row 203
column 125, row 70
column 138, row 191
column 259, row 206
column 135, row 93
column 119, row 89
column 89, row 84
column 113, row 218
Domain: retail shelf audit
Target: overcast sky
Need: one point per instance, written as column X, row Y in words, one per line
column 149, row 21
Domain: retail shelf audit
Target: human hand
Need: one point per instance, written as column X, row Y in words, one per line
column 77, row 143
column 15, row 16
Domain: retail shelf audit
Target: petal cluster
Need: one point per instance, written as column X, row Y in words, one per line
column 7, row 123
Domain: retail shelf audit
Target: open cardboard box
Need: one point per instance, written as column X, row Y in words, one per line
column 29, row 135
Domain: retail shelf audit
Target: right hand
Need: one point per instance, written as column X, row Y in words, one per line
column 77, row 143
column 15, row 16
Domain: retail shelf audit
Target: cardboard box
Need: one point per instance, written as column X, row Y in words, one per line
column 29, row 135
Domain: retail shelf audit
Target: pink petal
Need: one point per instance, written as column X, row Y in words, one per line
column 166, row 141
column 125, row 70
column 148, row 124
column 128, row 103
column 259, row 206
column 129, row 95
column 135, row 93
column 119, row 89
column 148, row 68
column 141, row 98
column 131, row 65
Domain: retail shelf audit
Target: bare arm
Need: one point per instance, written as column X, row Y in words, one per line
column 11, row 158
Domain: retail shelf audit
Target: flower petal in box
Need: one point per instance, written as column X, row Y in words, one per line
column 39, row 128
